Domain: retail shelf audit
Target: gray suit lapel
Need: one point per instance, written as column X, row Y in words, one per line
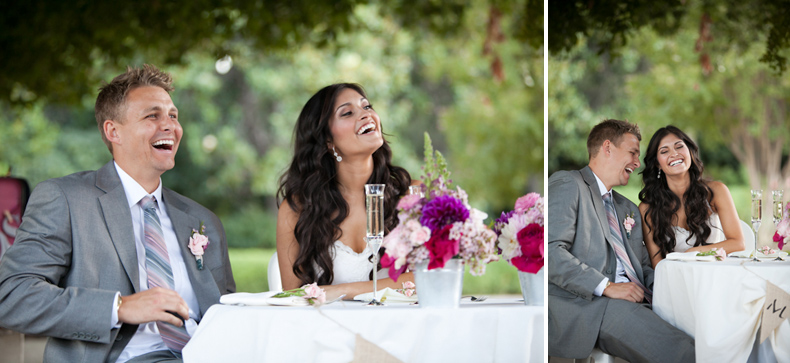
column 118, row 219
column 202, row 281
column 595, row 195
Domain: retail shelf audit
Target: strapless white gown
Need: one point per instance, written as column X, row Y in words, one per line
column 716, row 234
column 350, row 266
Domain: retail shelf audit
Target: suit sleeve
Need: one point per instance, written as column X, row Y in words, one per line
column 230, row 283
column 565, row 269
column 33, row 299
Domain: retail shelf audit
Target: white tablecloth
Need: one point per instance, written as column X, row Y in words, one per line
column 719, row 304
column 496, row 330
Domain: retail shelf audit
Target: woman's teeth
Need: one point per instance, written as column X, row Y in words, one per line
column 676, row 162
column 366, row 128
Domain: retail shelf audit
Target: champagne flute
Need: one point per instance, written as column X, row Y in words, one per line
column 757, row 210
column 777, row 206
column 374, row 232
column 416, row 190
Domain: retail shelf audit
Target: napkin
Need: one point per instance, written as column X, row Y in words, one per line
column 246, row 298
column 261, row 298
column 689, row 256
column 390, row 294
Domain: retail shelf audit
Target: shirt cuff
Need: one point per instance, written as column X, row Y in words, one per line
column 114, row 323
column 602, row 286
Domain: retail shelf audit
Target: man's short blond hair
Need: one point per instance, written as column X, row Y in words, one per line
column 111, row 102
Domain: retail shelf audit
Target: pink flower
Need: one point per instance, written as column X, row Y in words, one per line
column 526, row 202
column 409, row 285
column 408, row 292
column 408, row 202
column 441, row 247
column 530, row 239
column 388, row 261
column 314, row 294
column 198, row 243
column 782, row 232
column 720, row 254
column 628, row 223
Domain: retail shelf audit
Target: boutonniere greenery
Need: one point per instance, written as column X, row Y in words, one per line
column 198, row 242
column 628, row 223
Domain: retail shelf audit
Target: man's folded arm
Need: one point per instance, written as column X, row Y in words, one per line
column 31, row 301
column 565, row 270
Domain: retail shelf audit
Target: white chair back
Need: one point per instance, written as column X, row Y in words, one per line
column 748, row 236
column 273, row 274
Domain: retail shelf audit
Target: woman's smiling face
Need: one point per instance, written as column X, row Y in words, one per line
column 355, row 126
column 673, row 155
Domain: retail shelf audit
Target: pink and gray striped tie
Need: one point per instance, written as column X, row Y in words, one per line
column 157, row 265
column 619, row 246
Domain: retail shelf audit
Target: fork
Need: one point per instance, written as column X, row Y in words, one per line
column 336, row 299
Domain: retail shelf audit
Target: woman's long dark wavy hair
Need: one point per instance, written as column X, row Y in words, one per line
column 310, row 186
column 663, row 203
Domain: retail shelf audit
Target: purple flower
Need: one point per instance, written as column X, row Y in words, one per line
column 502, row 221
column 442, row 211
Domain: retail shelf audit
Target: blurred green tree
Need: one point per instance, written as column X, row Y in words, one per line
column 469, row 80
column 613, row 22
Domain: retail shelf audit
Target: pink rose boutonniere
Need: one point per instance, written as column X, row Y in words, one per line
column 198, row 242
column 628, row 223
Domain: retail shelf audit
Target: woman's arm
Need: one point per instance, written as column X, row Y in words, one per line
column 725, row 207
column 647, row 235
column 287, row 246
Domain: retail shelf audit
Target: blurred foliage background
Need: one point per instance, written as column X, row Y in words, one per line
column 713, row 68
column 468, row 72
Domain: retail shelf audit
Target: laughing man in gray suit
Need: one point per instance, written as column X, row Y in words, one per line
column 101, row 263
column 600, row 277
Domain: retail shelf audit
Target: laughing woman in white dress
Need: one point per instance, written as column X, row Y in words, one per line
column 682, row 211
column 338, row 148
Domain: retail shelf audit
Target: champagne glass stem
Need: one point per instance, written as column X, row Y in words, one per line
column 375, row 278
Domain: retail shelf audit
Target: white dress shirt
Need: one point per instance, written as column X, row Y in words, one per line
column 620, row 276
column 147, row 338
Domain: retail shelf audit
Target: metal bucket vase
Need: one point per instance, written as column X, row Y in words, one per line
column 440, row 287
column 532, row 287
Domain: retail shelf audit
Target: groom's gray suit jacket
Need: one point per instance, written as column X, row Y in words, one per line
column 580, row 256
column 75, row 249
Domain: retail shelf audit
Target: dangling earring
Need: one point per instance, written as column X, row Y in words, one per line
column 659, row 173
column 339, row 158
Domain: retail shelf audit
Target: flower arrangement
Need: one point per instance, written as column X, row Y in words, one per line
column 439, row 226
column 312, row 293
column 718, row 253
column 782, row 234
column 198, row 242
column 520, row 234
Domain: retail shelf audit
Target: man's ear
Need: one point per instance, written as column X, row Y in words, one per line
column 111, row 131
column 606, row 147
